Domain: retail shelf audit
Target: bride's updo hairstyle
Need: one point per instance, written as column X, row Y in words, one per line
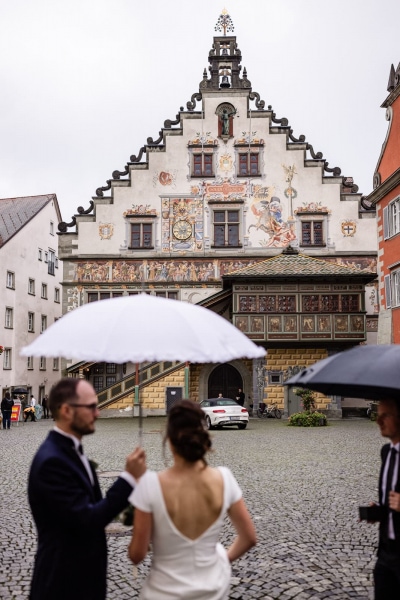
column 186, row 431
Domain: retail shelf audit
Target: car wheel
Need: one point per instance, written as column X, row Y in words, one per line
column 242, row 425
column 208, row 421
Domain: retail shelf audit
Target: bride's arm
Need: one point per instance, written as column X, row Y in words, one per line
column 142, row 530
column 246, row 533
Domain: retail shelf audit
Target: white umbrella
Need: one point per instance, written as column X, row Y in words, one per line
column 143, row 328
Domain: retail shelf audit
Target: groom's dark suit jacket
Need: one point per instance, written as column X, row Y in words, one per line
column 70, row 515
column 383, row 526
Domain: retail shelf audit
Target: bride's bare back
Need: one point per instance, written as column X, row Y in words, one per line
column 193, row 497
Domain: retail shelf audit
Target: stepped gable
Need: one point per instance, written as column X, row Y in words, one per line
column 224, row 59
column 15, row 213
column 291, row 263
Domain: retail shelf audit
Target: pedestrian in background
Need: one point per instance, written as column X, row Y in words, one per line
column 45, row 406
column 6, row 408
column 240, row 397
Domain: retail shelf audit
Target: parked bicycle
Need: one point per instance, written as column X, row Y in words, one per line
column 268, row 411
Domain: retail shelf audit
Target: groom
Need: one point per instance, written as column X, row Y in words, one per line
column 66, row 502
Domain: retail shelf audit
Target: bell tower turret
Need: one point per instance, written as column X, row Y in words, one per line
column 224, row 58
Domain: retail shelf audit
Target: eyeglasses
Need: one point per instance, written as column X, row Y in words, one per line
column 92, row 407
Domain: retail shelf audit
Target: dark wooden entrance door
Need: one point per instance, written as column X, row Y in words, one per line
column 225, row 380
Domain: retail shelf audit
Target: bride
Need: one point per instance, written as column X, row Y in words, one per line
column 181, row 511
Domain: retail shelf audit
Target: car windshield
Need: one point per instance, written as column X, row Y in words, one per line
column 223, row 402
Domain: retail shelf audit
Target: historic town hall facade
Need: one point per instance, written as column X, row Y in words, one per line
column 231, row 209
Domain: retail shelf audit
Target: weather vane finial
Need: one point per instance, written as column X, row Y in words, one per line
column 224, row 22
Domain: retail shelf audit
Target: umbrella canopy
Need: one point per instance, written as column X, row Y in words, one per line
column 371, row 372
column 143, row 328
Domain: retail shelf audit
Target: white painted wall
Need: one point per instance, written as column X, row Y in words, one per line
column 20, row 256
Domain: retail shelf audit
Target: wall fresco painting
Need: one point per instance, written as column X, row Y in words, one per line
column 267, row 209
column 165, row 178
column 357, row 262
column 132, row 271
column 182, row 227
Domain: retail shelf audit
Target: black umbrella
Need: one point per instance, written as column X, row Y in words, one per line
column 19, row 390
column 363, row 372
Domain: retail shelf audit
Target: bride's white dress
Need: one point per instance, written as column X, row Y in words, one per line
column 183, row 568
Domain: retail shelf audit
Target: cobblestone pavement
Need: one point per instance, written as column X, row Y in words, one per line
column 302, row 486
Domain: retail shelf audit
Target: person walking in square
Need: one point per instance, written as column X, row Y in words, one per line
column 68, row 508
column 6, row 409
column 240, row 397
column 45, row 407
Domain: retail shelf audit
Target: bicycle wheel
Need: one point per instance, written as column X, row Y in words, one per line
column 277, row 413
column 259, row 413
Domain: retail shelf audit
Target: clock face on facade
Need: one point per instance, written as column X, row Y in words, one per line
column 182, row 230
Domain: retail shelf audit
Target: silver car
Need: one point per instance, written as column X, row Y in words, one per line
column 224, row 411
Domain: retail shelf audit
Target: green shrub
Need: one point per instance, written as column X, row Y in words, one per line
column 307, row 419
column 307, row 398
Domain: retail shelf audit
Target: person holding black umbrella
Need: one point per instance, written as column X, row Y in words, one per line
column 387, row 568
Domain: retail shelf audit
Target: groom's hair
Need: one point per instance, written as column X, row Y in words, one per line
column 64, row 391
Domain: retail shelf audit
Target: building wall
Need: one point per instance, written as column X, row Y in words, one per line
column 152, row 397
column 162, row 190
column 280, row 360
column 389, row 162
column 20, row 256
column 388, row 255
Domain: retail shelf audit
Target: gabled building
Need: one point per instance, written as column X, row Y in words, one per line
column 30, row 290
column 225, row 187
column 386, row 199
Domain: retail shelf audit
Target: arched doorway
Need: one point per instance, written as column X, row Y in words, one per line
column 224, row 380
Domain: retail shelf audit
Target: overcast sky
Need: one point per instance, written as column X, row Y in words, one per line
column 84, row 83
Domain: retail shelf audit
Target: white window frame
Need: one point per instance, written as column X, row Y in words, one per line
column 57, row 295
column 391, row 218
column 29, row 363
column 31, row 322
column 43, row 323
column 10, row 282
column 7, row 359
column 56, row 364
column 40, row 254
column 394, row 288
column 226, row 224
column 31, row 287
column 9, row 317
column 44, row 291
column 42, row 363
column 46, row 256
